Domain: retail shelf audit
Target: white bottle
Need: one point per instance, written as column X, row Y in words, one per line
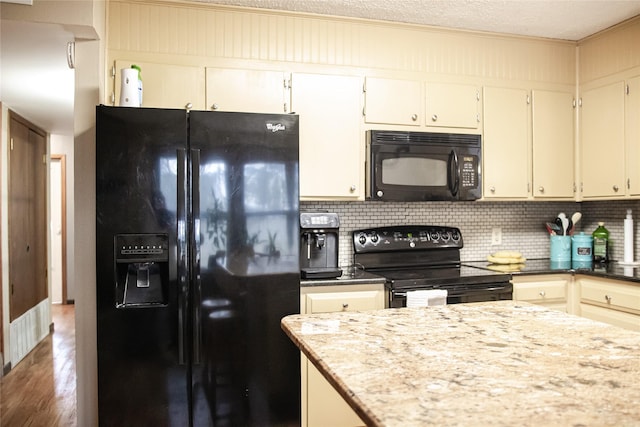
column 129, row 92
column 628, row 238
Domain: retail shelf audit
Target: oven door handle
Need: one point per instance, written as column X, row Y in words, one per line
column 507, row 287
column 454, row 174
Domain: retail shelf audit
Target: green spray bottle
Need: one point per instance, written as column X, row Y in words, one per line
column 601, row 243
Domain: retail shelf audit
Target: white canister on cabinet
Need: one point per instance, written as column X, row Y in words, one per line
column 129, row 93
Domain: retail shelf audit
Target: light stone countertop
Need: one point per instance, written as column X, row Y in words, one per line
column 500, row 363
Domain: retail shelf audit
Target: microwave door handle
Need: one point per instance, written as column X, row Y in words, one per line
column 454, row 176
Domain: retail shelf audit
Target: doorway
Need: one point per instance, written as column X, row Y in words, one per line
column 58, row 229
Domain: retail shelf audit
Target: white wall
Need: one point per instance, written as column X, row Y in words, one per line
column 63, row 144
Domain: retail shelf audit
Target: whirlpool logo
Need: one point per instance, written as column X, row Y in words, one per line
column 275, row 127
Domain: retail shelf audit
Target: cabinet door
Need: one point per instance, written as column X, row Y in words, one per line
column 322, row 405
column 632, row 135
column 331, row 140
column 553, row 144
column 393, row 102
column 602, row 141
column 251, row 91
column 506, row 143
column 611, row 301
column 166, row 85
column 452, row 105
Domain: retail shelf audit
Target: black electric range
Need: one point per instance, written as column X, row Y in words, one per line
column 426, row 257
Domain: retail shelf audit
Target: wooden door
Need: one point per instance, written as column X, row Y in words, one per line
column 27, row 217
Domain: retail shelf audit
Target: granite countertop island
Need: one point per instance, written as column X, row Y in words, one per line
column 496, row 363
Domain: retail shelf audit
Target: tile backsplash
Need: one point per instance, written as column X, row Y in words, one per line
column 522, row 223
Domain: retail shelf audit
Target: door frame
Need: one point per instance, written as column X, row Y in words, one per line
column 62, row 158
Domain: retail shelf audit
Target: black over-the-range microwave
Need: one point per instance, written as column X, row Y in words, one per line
column 422, row 166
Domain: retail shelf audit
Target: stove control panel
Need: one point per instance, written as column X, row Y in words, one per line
column 406, row 237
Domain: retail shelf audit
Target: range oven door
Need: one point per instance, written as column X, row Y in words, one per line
column 457, row 294
column 422, row 166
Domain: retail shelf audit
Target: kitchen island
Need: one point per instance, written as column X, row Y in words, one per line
column 495, row 363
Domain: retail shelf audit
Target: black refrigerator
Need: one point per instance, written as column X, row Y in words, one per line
column 197, row 227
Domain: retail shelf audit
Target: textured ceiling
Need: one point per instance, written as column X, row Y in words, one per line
column 559, row 19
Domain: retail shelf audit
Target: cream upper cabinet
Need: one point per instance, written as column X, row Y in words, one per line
column 506, row 143
column 553, row 144
column 252, row 91
column 602, row 141
column 166, row 85
column 331, row 139
column 632, row 135
column 393, row 102
column 452, row 105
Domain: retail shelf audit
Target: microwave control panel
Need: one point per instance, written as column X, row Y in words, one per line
column 469, row 172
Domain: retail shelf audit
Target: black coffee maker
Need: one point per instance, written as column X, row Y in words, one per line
column 319, row 245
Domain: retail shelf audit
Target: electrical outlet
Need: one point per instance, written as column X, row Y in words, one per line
column 496, row 236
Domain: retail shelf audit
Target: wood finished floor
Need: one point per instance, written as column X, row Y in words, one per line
column 41, row 389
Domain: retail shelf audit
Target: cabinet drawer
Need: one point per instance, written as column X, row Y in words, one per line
column 544, row 291
column 344, row 301
column 616, row 296
column 612, row 317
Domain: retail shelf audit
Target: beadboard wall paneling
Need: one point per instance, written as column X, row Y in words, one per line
column 610, row 52
column 214, row 32
column 522, row 223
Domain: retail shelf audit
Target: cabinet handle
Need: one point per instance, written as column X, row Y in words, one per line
column 345, row 305
column 541, row 189
column 492, row 189
column 215, row 106
column 615, row 188
column 414, row 117
column 608, row 298
column 542, row 293
column 352, row 188
column 434, row 118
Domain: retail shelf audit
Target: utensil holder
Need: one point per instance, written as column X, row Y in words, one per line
column 560, row 248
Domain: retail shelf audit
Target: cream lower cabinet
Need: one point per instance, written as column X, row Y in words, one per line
column 322, row 406
column 331, row 140
column 550, row 290
column 611, row 301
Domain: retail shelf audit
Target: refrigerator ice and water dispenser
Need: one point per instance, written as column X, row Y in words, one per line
column 142, row 270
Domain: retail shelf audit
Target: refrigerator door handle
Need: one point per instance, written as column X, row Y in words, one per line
column 183, row 255
column 195, row 256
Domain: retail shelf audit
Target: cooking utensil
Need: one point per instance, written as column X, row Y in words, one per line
column 565, row 225
column 558, row 223
column 553, row 228
column 576, row 217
